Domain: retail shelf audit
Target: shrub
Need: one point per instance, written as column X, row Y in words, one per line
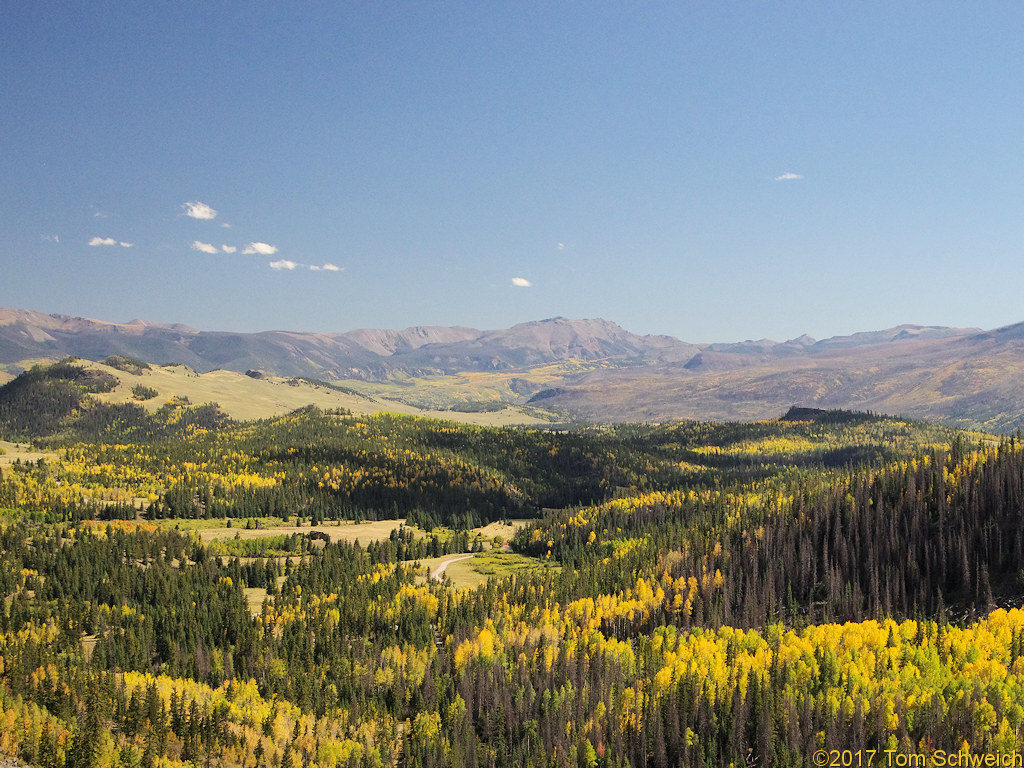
column 142, row 392
column 127, row 364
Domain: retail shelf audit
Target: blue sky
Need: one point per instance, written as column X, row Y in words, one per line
column 714, row 171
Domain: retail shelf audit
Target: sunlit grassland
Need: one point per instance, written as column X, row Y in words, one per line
column 463, row 573
column 12, row 452
column 246, row 398
column 506, row 529
column 342, row 530
column 213, row 529
column 255, row 596
column 469, row 389
column 10, row 371
column 241, row 397
column 476, row 570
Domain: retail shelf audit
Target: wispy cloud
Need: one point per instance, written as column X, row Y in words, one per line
column 51, row 238
column 196, row 210
column 261, row 248
column 199, row 245
column 228, row 248
column 521, row 282
column 109, row 241
column 788, row 177
column 290, row 265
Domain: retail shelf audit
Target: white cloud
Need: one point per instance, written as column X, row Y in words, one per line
column 788, row 177
column 261, row 248
column 51, row 238
column 561, row 246
column 521, row 282
column 288, row 264
column 196, row 210
column 198, row 245
column 108, row 241
column 228, row 248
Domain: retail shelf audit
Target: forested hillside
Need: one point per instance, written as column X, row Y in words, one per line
column 693, row 593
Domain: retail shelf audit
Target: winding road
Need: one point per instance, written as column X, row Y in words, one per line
column 437, row 574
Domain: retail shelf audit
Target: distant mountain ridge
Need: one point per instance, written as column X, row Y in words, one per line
column 371, row 353
column 593, row 369
column 970, row 379
column 361, row 354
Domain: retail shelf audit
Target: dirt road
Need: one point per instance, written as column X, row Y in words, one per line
column 439, row 572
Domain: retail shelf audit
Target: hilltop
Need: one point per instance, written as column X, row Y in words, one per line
column 42, row 398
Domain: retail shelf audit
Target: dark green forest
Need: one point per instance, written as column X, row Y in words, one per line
column 824, row 588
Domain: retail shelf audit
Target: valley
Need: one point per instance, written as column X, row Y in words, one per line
column 183, row 586
column 489, row 385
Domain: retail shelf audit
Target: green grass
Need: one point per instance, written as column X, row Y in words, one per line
column 497, row 563
column 476, row 570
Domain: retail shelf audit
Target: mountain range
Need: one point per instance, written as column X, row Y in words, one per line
column 367, row 354
column 589, row 369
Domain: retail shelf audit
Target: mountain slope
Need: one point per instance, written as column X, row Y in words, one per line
column 589, row 369
column 967, row 380
column 360, row 354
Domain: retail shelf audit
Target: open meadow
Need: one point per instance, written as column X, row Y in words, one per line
column 464, row 571
column 339, row 530
column 11, row 452
column 247, row 397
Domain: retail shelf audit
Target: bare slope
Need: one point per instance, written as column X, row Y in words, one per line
column 245, row 397
column 970, row 380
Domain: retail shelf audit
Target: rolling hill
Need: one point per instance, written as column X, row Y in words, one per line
column 592, row 370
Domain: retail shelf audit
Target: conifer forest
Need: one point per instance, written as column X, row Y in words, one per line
column 826, row 588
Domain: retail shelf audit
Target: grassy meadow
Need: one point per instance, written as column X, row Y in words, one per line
column 466, row 571
column 245, row 398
